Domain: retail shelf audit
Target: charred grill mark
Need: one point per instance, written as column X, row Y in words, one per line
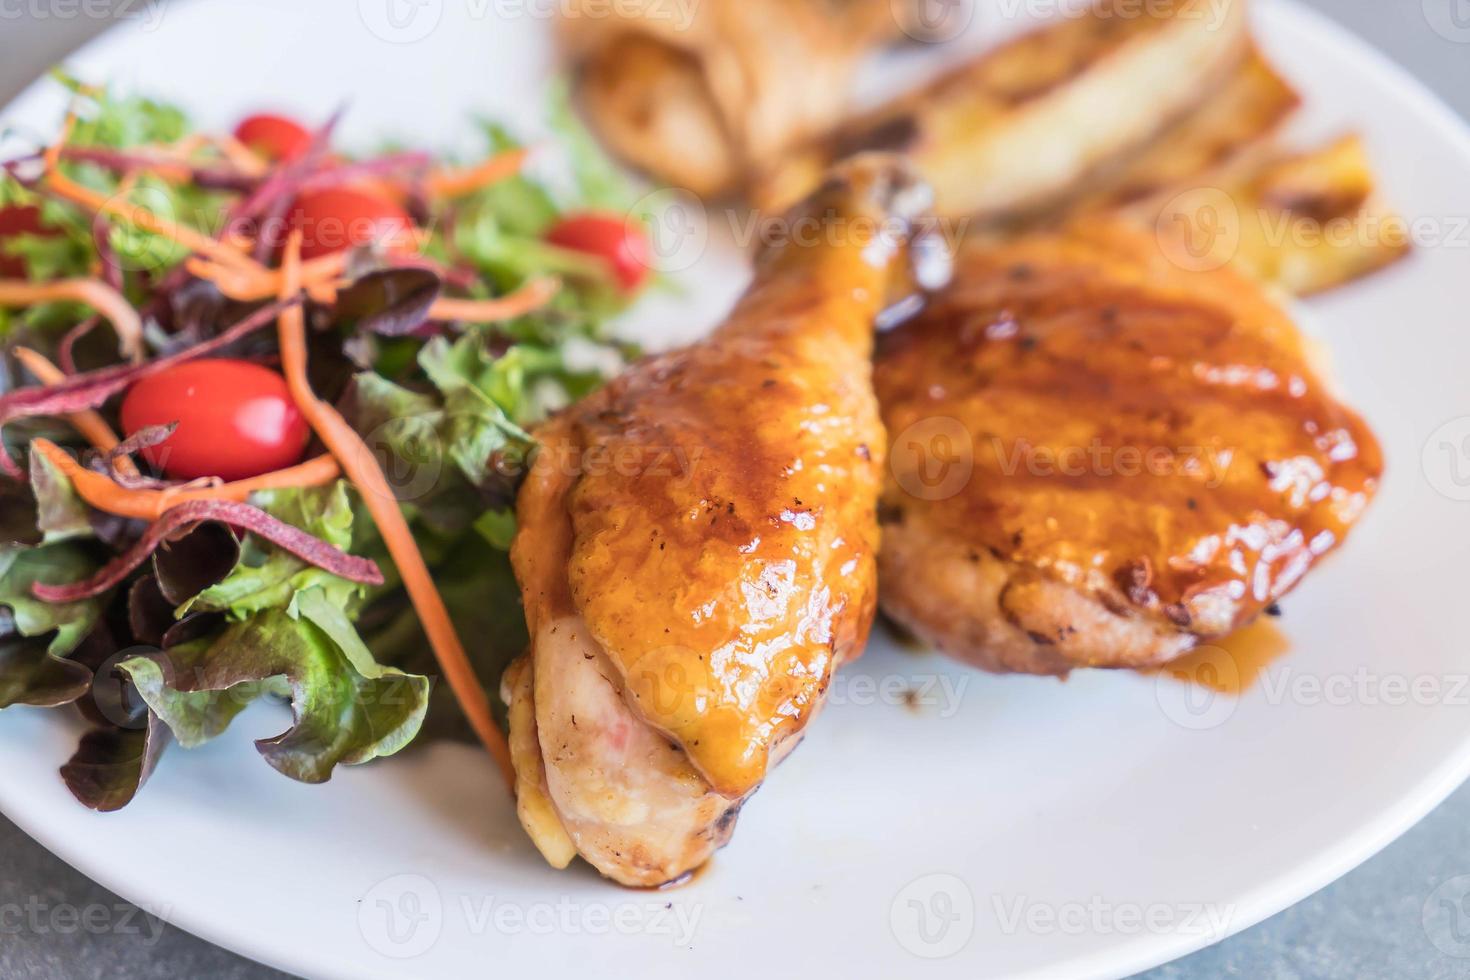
column 1135, row 579
column 894, row 134
column 1321, row 208
column 889, row 514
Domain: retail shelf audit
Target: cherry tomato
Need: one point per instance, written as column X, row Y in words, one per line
column 18, row 219
column 343, row 217
column 236, row 419
column 611, row 237
column 274, row 137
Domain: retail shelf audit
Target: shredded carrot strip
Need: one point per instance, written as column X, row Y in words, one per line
column 93, row 292
column 63, row 186
column 532, row 296
column 164, row 168
column 361, row 467
column 325, row 293
column 249, row 287
column 105, row 494
column 184, row 148
column 452, row 183
column 230, row 150
column 87, row 422
column 235, row 238
column 240, row 156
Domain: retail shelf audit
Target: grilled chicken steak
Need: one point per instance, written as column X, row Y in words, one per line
column 1099, row 458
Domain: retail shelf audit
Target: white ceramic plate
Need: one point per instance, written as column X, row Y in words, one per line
column 1008, row 827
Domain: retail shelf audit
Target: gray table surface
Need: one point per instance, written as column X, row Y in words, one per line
column 1369, row 924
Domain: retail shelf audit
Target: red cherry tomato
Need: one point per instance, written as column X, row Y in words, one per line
column 274, row 137
column 236, row 419
column 343, row 217
column 611, row 237
column 18, row 219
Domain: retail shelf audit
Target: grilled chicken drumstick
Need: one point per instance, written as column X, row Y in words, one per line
column 696, row 551
column 1100, row 458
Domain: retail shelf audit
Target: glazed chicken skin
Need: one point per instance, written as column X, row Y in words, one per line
column 1099, row 459
column 696, row 552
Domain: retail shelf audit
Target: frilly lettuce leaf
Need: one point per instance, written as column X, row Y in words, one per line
column 36, row 636
column 292, row 632
column 268, row 578
column 348, row 709
column 31, row 675
column 478, row 431
column 52, row 565
column 112, row 764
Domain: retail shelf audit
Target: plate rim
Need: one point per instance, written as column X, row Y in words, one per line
column 1265, row 899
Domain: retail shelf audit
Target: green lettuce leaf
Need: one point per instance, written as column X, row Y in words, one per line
column 36, row 636
column 18, row 516
column 52, row 565
column 348, row 709
column 498, row 527
column 269, row 578
column 483, row 600
column 30, row 675
column 109, row 120
column 481, row 394
column 60, row 513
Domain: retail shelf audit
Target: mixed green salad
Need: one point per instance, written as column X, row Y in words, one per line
column 221, row 350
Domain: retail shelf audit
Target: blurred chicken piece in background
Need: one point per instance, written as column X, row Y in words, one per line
column 1014, row 130
column 1305, row 222
column 1165, row 114
column 701, row 94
